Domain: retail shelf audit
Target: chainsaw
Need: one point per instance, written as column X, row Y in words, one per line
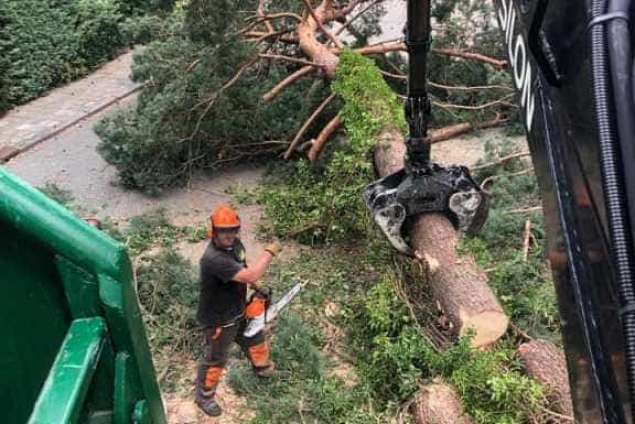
column 260, row 310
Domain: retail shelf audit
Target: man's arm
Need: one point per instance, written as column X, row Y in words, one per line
column 255, row 271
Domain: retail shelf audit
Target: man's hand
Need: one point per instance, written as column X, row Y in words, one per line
column 274, row 248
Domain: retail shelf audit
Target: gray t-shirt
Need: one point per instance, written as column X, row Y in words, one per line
column 221, row 300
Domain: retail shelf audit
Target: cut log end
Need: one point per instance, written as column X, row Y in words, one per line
column 438, row 403
column 487, row 326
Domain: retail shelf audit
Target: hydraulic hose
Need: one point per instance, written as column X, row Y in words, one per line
column 614, row 190
column 621, row 58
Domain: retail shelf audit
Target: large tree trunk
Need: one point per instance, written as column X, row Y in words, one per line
column 458, row 284
column 438, row 403
column 546, row 363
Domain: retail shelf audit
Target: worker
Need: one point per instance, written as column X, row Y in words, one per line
column 225, row 278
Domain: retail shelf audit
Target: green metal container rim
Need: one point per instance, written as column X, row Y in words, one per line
column 52, row 225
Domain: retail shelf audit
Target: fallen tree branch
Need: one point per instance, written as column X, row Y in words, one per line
column 387, row 47
column 260, row 11
column 526, row 210
column 307, row 124
column 261, row 36
column 497, row 63
column 526, row 239
column 502, row 160
column 380, row 48
column 472, row 88
column 500, row 101
column 319, row 23
column 456, row 130
column 213, row 97
column 271, row 94
column 357, row 16
column 287, row 59
column 323, row 137
column 265, row 18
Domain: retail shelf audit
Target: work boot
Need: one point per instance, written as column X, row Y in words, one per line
column 209, row 406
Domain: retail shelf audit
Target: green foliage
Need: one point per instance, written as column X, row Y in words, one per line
column 62, row 196
column 524, row 287
column 150, row 229
column 185, row 121
column 145, row 28
column 168, row 293
column 370, row 106
column 325, row 204
column 52, row 42
column 46, row 43
column 394, row 357
column 97, row 28
column 139, row 7
column 5, row 63
column 302, row 390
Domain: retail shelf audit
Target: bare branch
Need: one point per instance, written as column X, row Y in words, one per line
column 323, row 137
column 287, row 82
column 497, row 63
column 357, row 16
column 343, row 11
column 261, row 13
column 307, row 124
column 469, row 88
column 281, row 36
column 526, row 239
column 456, row 130
column 212, row 98
column 404, row 77
column 381, row 48
column 387, row 47
column 320, row 25
column 526, row 210
column 502, row 160
column 500, row 101
column 288, row 59
column 264, row 18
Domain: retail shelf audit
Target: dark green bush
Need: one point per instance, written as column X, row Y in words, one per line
column 43, row 48
column 46, row 43
column 97, row 26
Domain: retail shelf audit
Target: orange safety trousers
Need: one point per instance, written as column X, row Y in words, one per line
column 218, row 341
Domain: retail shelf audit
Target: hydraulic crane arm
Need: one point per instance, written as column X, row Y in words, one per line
column 572, row 66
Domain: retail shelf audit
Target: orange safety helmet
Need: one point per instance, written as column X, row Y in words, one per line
column 224, row 216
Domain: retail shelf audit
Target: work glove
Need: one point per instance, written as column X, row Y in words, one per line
column 274, row 248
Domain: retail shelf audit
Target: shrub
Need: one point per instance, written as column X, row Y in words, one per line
column 46, row 43
column 97, row 25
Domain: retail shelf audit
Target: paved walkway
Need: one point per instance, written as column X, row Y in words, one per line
column 41, row 119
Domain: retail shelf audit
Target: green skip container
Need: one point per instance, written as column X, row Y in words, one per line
column 73, row 347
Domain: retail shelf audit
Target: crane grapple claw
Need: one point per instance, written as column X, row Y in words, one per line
column 448, row 190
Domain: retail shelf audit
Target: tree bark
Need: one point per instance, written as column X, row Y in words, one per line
column 459, row 285
column 438, row 403
column 546, row 363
